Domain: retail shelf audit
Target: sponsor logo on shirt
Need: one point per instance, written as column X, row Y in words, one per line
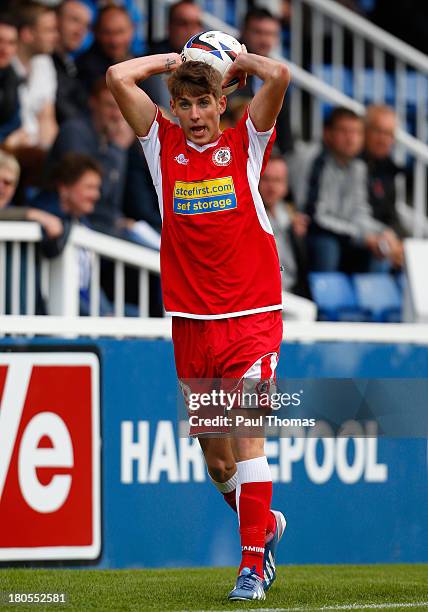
column 214, row 195
column 222, row 156
column 181, row 159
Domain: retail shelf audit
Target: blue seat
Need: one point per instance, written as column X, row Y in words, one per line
column 335, row 298
column 379, row 295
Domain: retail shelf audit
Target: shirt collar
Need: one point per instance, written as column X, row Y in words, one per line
column 202, row 148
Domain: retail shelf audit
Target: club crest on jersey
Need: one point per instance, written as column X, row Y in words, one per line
column 222, row 156
column 181, row 159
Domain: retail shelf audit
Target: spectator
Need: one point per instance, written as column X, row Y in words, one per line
column 105, row 136
column 288, row 227
column 342, row 235
column 37, row 27
column 184, row 21
column 76, row 180
column 9, row 176
column 135, row 12
column 261, row 34
column 73, row 22
column 113, row 36
column 9, row 104
column 380, row 127
column 140, row 200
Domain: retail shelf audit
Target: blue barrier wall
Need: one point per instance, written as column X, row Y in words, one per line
column 159, row 510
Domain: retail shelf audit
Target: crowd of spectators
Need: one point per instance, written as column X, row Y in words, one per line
column 70, row 157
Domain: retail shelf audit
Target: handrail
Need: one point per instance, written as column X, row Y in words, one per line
column 125, row 327
column 60, row 276
column 314, row 85
column 20, row 231
column 363, row 27
column 115, row 248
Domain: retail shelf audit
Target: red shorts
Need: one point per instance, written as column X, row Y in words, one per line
column 226, row 350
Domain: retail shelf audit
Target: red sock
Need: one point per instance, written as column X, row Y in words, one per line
column 254, row 504
column 230, row 498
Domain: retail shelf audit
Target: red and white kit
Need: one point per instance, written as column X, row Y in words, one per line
column 218, row 253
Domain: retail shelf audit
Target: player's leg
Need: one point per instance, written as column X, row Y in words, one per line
column 222, row 470
column 221, row 466
column 254, row 494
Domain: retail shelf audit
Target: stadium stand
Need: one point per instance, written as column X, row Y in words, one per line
column 380, row 295
column 348, row 62
column 335, row 297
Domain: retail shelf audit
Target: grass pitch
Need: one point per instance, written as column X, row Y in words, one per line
column 297, row 589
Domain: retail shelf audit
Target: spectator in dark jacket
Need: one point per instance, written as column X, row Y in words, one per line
column 73, row 23
column 52, row 229
column 76, row 181
column 105, row 136
column 113, row 37
column 9, row 176
column 9, row 101
column 261, row 33
column 380, row 124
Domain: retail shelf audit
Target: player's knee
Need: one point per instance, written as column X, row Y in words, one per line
column 221, row 470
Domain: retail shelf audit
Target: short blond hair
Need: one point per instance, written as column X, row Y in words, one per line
column 11, row 163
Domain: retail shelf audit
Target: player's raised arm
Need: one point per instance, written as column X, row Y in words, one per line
column 122, row 80
column 267, row 102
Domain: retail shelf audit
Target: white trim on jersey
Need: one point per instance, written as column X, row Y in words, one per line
column 202, row 148
column 226, row 315
column 151, row 147
column 257, row 144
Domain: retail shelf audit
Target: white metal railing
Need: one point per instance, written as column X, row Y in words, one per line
column 383, row 69
column 58, row 279
column 397, row 75
column 415, row 216
column 319, row 331
column 18, row 240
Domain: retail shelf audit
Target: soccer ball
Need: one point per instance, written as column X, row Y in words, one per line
column 217, row 49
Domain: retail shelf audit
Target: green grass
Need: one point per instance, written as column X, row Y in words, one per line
column 305, row 588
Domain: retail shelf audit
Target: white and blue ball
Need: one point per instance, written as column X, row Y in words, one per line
column 217, row 49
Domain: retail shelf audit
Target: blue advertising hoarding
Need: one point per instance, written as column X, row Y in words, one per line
column 364, row 501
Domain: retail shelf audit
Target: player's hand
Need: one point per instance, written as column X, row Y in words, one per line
column 236, row 71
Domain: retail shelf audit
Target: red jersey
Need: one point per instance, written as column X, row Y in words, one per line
column 218, row 253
